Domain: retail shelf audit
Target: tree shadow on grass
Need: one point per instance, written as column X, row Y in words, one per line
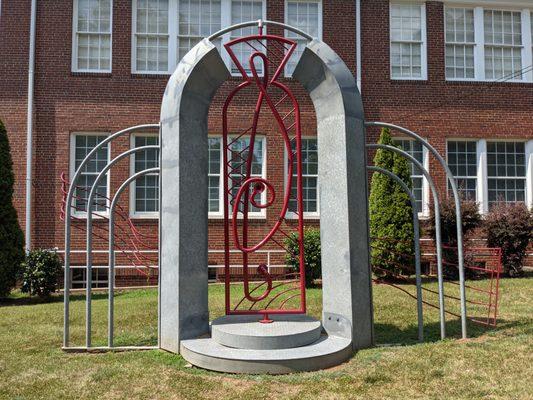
column 25, row 300
column 388, row 334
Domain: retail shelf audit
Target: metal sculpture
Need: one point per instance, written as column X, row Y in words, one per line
column 244, row 191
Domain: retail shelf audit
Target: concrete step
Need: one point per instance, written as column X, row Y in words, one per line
column 246, row 332
column 326, row 352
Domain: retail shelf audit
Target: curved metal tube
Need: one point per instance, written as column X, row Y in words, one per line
column 457, row 201
column 259, row 23
column 416, row 229
column 111, row 273
column 68, row 214
column 438, row 236
column 89, row 255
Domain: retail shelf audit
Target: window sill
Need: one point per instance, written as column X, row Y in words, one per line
column 147, row 75
column 307, row 217
column 259, row 218
column 144, row 217
column 83, row 217
column 409, row 80
column 487, row 82
column 96, row 74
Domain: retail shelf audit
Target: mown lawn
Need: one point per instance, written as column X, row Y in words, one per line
column 493, row 364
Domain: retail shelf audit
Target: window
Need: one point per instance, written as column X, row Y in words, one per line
column 310, row 178
column 408, row 41
column 488, row 44
column 506, row 172
column 236, row 157
column 165, row 30
column 145, row 200
column 196, row 20
column 503, row 44
column 81, row 145
column 151, row 36
column 460, row 42
column 92, row 36
column 242, row 11
column 462, row 160
column 417, row 178
column 214, row 175
column 306, row 16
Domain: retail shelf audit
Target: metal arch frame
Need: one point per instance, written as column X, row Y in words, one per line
column 68, row 215
column 111, row 274
column 416, row 228
column 259, row 23
column 438, row 236
column 89, row 245
column 457, row 201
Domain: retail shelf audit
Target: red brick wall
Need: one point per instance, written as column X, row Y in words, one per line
column 67, row 102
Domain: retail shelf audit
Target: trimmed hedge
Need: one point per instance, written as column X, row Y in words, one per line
column 470, row 218
column 510, row 227
column 313, row 263
column 41, row 272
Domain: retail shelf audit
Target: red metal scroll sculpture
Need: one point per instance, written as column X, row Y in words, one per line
column 243, row 191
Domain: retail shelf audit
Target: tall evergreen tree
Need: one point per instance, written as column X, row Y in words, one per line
column 11, row 237
column 391, row 218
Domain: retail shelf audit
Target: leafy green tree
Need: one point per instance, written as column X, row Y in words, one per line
column 11, row 237
column 391, row 215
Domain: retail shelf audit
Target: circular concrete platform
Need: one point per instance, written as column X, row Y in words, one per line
column 246, row 332
column 326, row 352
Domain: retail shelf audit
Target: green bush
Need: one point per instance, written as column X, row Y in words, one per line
column 470, row 220
column 391, row 215
column 11, row 237
column 41, row 272
column 510, row 227
column 313, row 265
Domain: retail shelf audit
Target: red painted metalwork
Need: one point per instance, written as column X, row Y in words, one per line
column 130, row 242
column 243, row 192
column 488, row 295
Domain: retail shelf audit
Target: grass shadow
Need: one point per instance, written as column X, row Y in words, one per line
column 25, row 300
column 388, row 334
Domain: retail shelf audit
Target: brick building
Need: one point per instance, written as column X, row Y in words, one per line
column 458, row 72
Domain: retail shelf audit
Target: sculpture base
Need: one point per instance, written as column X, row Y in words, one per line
column 241, row 344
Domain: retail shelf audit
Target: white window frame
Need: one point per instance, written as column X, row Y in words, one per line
column 133, row 188
column 524, row 7
column 72, row 171
column 423, row 50
column 425, row 213
column 173, row 25
column 253, row 215
column 528, row 155
column 482, row 193
column 134, row 35
column 74, row 61
column 479, row 187
column 307, row 215
column 475, row 45
column 320, row 21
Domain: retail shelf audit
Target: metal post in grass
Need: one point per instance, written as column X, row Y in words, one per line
column 89, row 248
column 457, row 201
column 416, row 228
column 111, row 275
column 438, row 240
column 68, row 214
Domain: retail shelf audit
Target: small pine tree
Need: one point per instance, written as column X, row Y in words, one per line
column 11, row 237
column 391, row 215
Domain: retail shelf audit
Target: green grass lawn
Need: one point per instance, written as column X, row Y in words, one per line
column 493, row 364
